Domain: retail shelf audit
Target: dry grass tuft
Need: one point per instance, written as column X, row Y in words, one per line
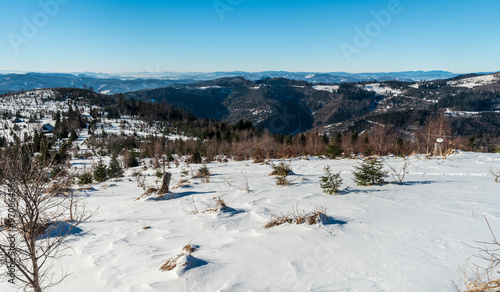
column 188, row 249
column 483, row 284
column 171, row 264
column 282, row 180
column 181, row 182
column 317, row 215
column 245, row 188
column 486, row 278
column 147, row 193
column 278, row 220
column 220, row 204
column 150, row 191
column 296, row 217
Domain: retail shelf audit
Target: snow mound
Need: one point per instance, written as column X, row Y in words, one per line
column 60, row 228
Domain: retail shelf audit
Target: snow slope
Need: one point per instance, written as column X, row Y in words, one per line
column 329, row 88
column 476, row 81
column 381, row 238
column 382, row 89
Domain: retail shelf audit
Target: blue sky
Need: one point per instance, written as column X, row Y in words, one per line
column 115, row 36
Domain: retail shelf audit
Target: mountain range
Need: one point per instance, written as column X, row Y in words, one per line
column 111, row 84
column 292, row 106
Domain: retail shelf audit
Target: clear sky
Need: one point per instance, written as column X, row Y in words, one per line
column 116, row 36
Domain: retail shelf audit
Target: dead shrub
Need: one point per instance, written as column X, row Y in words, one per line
column 496, row 174
column 317, row 215
column 398, row 173
column 486, row 277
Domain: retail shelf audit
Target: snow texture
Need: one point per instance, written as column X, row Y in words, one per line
column 393, row 237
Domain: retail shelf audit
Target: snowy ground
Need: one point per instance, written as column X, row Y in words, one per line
column 382, row 238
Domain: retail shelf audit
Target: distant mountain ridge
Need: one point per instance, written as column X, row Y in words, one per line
column 292, row 106
column 110, row 83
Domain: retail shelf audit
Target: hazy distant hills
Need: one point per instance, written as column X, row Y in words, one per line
column 30, row 81
column 109, row 84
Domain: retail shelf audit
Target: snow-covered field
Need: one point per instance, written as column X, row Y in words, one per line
column 382, row 238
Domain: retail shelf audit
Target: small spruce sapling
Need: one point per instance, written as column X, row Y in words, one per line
column 281, row 171
column 370, row 172
column 331, row 182
column 85, row 178
column 204, row 173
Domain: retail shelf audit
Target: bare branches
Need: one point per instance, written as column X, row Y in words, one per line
column 398, row 173
column 245, row 188
column 485, row 276
column 38, row 196
column 496, row 174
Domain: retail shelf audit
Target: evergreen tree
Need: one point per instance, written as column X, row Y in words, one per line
column 325, row 139
column 196, row 157
column 100, row 171
column 114, row 169
column 370, row 172
column 331, row 182
column 73, row 136
column 338, row 138
column 85, row 178
column 131, row 159
column 333, row 151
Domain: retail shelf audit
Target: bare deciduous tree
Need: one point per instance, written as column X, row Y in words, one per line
column 34, row 207
column 398, row 173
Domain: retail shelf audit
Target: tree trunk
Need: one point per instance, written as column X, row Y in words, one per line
column 165, row 183
column 34, row 261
